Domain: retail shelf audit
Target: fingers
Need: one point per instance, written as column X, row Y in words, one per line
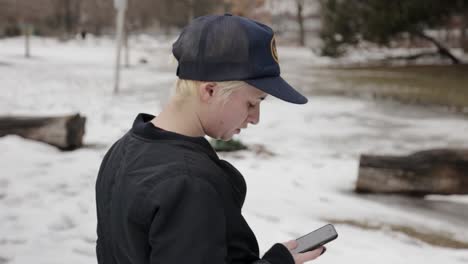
column 306, row 256
column 323, row 251
column 309, row 255
column 291, row 244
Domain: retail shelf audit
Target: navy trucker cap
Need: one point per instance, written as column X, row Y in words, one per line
column 232, row 48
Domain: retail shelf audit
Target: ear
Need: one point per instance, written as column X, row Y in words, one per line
column 207, row 91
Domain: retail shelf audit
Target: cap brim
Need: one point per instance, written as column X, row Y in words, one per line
column 279, row 88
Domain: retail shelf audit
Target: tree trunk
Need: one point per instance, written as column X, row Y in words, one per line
column 300, row 21
column 126, row 47
column 27, row 28
column 191, row 14
column 98, row 18
column 64, row 132
column 464, row 35
column 440, row 171
column 443, row 51
column 67, row 18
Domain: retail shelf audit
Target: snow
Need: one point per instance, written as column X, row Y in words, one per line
column 47, row 206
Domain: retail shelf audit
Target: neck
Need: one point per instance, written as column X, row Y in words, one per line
column 180, row 119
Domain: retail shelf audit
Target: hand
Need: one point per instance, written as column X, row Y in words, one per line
column 300, row 258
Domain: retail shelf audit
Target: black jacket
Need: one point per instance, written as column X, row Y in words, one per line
column 167, row 198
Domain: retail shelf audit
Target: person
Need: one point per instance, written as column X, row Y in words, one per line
column 162, row 193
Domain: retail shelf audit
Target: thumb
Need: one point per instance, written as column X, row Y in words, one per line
column 291, row 244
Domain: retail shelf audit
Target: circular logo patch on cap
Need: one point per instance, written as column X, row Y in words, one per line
column 274, row 53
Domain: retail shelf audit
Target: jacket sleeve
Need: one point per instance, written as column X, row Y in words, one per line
column 189, row 223
column 277, row 254
column 189, row 226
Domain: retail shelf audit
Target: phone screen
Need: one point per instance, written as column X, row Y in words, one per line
column 315, row 239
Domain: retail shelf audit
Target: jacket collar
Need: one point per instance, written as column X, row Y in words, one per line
column 144, row 128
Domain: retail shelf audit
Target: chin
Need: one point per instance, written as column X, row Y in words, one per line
column 226, row 138
column 221, row 137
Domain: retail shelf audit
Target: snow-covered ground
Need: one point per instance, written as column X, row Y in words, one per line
column 47, row 207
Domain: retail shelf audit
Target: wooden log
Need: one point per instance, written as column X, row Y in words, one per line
column 438, row 171
column 64, row 132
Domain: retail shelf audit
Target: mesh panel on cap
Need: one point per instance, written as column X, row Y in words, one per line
column 214, row 48
column 226, row 41
column 186, row 47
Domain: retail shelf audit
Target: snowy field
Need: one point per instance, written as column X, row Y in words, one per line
column 47, row 207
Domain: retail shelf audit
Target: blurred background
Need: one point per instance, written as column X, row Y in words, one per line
column 380, row 150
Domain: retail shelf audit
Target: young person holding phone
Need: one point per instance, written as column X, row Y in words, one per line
column 162, row 193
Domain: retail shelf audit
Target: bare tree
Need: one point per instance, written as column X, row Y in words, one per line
column 8, row 24
column 67, row 17
column 300, row 21
column 27, row 14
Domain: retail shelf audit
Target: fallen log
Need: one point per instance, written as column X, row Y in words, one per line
column 64, row 132
column 438, row 171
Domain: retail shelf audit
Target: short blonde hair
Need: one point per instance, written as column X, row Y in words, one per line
column 188, row 88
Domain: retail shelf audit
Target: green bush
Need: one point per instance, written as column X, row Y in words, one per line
column 231, row 145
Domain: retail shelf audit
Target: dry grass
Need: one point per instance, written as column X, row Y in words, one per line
column 443, row 85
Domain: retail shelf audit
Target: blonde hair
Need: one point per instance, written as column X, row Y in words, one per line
column 188, row 88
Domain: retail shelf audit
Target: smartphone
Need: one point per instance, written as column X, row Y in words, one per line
column 315, row 239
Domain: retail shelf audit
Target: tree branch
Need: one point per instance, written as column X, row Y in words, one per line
column 443, row 51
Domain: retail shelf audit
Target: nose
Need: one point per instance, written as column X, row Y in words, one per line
column 254, row 115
